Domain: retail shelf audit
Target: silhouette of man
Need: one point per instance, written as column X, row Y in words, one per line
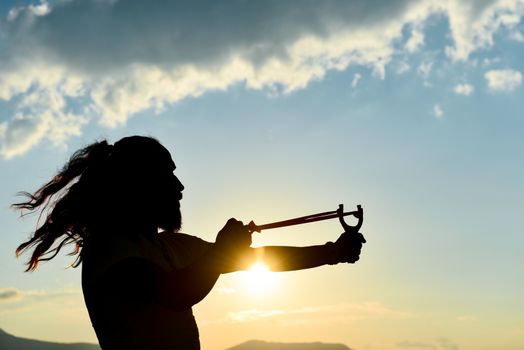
column 120, row 205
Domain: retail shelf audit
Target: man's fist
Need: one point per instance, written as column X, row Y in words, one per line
column 234, row 238
column 348, row 246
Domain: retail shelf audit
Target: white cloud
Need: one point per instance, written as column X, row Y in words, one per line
column 517, row 36
column 3, row 128
column 117, row 58
column 41, row 115
column 490, row 61
column 437, row 111
column 424, row 69
column 438, row 344
column 22, row 133
column 40, row 9
column 324, row 314
column 11, row 295
column 474, row 23
column 464, row 89
column 356, row 79
column 464, row 318
column 503, row 80
column 416, row 40
column 252, row 315
column 402, row 67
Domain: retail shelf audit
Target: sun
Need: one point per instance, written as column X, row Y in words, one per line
column 258, row 279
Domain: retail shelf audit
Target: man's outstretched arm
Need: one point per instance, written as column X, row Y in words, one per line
column 137, row 280
column 283, row 258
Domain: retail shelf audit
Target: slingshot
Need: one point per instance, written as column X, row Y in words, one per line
column 339, row 213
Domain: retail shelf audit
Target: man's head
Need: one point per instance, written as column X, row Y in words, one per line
column 140, row 171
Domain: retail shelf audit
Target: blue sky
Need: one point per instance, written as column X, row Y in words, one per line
column 413, row 109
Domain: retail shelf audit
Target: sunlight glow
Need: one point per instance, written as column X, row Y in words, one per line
column 258, row 279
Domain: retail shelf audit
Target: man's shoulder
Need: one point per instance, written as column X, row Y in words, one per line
column 184, row 248
column 181, row 237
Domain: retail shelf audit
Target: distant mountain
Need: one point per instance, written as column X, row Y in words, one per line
column 10, row 342
column 264, row 345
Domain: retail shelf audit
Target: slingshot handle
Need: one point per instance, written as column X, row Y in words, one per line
column 252, row 227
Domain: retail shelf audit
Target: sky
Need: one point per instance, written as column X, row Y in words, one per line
column 278, row 109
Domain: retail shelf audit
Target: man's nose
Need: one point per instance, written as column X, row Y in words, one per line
column 179, row 184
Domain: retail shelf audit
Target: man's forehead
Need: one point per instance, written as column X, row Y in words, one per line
column 166, row 158
column 156, row 157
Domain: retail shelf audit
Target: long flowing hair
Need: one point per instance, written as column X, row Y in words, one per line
column 63, row 201
column 96, row 185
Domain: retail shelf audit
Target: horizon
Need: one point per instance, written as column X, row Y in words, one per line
column 412, row 109
column 256, row 341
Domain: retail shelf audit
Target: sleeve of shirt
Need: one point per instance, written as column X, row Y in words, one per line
column 184, row 249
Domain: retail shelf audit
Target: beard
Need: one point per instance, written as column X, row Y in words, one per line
column 171, row 220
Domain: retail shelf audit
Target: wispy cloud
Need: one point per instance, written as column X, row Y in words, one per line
column 16, row 295
column 503, row 80
column 254, row 314
column 402, row 67
column 9, row 294
column 473, row 24
column 81, row 61
column 416, row 40
column 322, row 314
column 18, row 302
column 463, row 89
column 517, row 36
column 465, row 318
column 438, row 344
column 424, row 69
column 408, row 344
column 356, row 80
column 437, row 111
column 486, row 62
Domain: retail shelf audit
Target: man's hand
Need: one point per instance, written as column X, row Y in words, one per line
column 233, row 240
column 348, row 247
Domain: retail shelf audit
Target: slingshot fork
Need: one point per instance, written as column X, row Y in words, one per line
column 359, row 214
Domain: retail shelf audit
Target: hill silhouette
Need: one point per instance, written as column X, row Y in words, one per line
column 10, row 342
column 263, row 345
